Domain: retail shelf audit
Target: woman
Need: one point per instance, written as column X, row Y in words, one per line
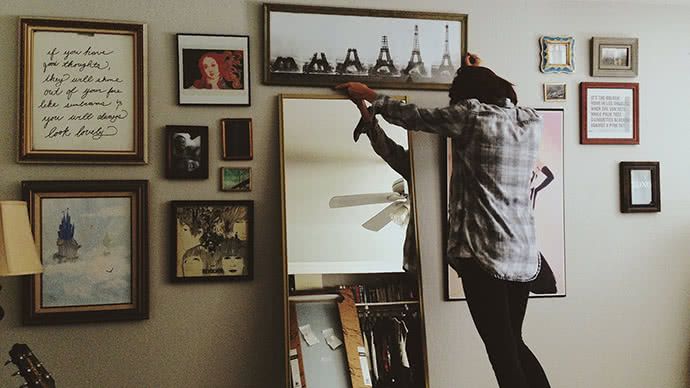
column 212, row 70
column 492, row 236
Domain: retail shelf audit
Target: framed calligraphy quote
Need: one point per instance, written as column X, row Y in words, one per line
column 82, row 92
column 609, row 113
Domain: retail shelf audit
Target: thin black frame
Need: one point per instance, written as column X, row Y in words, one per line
column 174, row 205
column 626, row 187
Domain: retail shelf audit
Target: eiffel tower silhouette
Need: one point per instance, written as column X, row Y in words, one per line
column 415, row 65
column 446, row 67
column 351, row 64
column 384, row 66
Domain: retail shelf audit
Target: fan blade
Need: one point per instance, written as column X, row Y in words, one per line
column 362, row 199
column 382, row 218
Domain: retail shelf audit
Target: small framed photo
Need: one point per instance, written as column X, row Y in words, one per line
column 236, row 139
column 236, row 178
column 212, row 240
column 640, row 188
column 609, row 113
column 187, row 152
column 92, row 237
column 557, row 54
column 213, row 69
column 554, row 92
column 614, row 57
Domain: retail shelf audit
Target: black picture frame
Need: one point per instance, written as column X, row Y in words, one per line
column 211, row 240
column 236, row 139
column 186, row 152
column 640, row 188
column 96, row 213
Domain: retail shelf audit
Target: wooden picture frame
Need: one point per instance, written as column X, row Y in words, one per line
column 236, row 139
column 557, row 54
column 186, row 152
column 237, row 179
column 555, row 92
column 97, row 270
column 387, row 52
column 212, row 240
column 615, row 57
column 609, row 113
column 640, row 189
column 82, row 91
column 213, row 70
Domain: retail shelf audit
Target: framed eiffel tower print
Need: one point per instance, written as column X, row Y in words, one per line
column 315, row 46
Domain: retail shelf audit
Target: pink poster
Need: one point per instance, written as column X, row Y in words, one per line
column 546, row 192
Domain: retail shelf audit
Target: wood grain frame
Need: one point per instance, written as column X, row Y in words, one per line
column 585, row 87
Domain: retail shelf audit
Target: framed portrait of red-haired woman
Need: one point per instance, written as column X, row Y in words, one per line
column 213, row 69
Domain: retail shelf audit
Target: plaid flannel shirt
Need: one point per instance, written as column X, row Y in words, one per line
column 494, row 149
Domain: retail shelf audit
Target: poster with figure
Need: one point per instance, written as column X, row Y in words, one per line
column 547, row 198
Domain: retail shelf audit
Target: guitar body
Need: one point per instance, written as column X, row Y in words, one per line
column 30, row 368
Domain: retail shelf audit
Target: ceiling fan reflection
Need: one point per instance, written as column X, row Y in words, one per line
column 398, row 210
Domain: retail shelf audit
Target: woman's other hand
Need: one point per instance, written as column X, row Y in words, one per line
column 358, row 91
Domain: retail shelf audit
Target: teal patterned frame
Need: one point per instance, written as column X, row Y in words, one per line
column 568, row 66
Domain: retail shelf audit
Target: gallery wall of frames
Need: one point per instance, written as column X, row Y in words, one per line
column 158, row 206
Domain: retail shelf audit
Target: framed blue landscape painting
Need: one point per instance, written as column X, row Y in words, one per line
column 92, row 239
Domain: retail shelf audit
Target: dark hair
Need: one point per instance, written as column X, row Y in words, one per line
column 480, row 83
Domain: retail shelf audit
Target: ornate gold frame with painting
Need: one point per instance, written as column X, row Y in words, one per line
column 82, row 91
column 291, row 335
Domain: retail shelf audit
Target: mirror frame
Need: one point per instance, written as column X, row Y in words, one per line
column 284, row 264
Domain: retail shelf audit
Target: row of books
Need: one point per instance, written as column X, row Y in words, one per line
column 391, row 292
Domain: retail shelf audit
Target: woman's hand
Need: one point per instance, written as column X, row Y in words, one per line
column 358, row 91
column 472, row 60
column 366, row 115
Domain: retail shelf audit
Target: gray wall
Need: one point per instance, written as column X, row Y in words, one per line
column 624, row 322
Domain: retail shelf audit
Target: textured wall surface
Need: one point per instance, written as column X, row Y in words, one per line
column 624, row 322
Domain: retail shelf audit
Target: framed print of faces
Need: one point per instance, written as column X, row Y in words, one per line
column 557, row 54
column 213, row 69
column 212, row 240
column 614, row 57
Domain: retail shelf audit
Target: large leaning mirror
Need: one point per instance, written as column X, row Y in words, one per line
column 353, row 311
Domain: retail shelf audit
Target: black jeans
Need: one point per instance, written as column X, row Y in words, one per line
column 498, row 309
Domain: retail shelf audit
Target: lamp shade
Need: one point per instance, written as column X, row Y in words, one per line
column 18, row 253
